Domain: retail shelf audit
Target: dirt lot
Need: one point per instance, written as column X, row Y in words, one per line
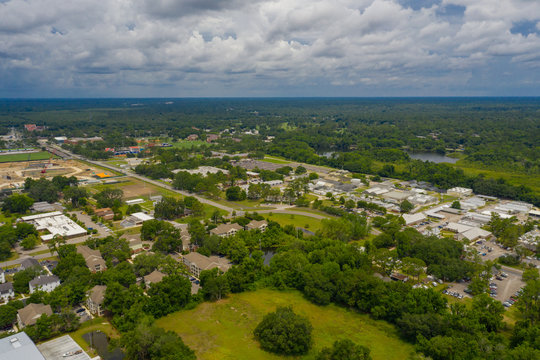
column 14, row 173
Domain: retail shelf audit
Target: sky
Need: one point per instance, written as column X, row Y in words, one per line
column 258, row 48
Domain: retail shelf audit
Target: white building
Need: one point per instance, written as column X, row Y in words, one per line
column 55, row 223
column 411, row 219
column 2, row 276
column 134, row 201
column 6, row 291
column 45, row 283
column 459, row 192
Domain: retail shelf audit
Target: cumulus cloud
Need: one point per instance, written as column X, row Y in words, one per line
column 268, row 47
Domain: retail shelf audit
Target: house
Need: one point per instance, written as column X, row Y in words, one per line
column 411, row 219
column 198, row 262
column 19, row 346
column 105, row 213
column 94, row 300
column 134, row 241
column 257, row 225
column 211, row 137
column 93, row 258
column 29, row 314
column 153, row 278
column 224, row 230
column 192, row 137
column 2, row 276
column 6, row 291
column 399, row 277
column 29, row 263
column 45, row 283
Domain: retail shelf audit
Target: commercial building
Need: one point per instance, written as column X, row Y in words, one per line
column 19, row 347
column 459, row 192
column 474, row 234
column 105, row 213
column 197, row 262
column 134, row 201
column 93, row 258
column 29, row 314
column 45, row 283
column 55, row 223
column 411, row 219
column 136, row 219
column 94, row 300
column 224, row 230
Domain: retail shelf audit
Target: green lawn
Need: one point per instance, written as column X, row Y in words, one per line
column 275, row 160
column 184, row 144
column 223, row 330
column 295, row 220
column 41, row 155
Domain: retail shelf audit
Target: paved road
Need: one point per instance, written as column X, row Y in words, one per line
column 144, row 178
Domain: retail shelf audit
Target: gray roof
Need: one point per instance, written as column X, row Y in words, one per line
column 19, row 346
column 31, row 312
column 28, row 263
column 6, row 288
column 44, row 279
column 97, row 294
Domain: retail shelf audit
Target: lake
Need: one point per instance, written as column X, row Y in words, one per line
column 433, row 157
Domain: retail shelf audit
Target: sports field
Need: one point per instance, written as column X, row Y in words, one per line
column 224, row 329
column 40, row 155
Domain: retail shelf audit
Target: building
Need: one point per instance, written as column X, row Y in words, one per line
column 153, row 278
column 411, row 219
column 55, row 223
column 60, row 139
column 257, row 225
column 134, row 241
column 93, row 258
column 6, row 291
column 134, row 201
column 396, row 196
column 474, row 234
column 211, row 137
column 29, row 314
column 29, row 263
column 192, row 137
column 2, row 276
column 534, row 214
column 19, row 346
column 94, row 300
column 45, row 283
column 457, row 228
column 197, row 262
column 224, row 230
column 531, row 239
column 459, row 192
column 105, row 213
column 43, row 206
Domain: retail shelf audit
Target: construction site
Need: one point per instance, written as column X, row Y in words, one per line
column 13, row 174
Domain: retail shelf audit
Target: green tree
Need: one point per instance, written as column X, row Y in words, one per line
column 344, row 350
column 29, row 242
column 109, row 198
column 17, row 203
column 235, row 193
column 406, row 206
column 456, row 205
column 77, row 195
column 215, row 286
column 284, row 332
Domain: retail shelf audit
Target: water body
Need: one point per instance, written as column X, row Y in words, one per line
column 436, row 158
column 99, row 341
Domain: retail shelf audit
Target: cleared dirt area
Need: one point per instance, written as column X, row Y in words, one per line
column 14, row 173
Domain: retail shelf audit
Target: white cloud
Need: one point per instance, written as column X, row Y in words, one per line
column 272, row 47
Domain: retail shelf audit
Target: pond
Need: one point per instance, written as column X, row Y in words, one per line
column 98, row 340
column 433, row 157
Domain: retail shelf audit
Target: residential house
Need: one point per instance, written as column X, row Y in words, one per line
column 224, row 230
column 192, row 137
column 6, row 291
column 93, row 258
column 153, row 278
column 29, row 263
column 211, row 137
column 29, row 314
column 134, row 241
column 94, row 300
column 198, row 262
column 45, row 283
column 105, row 213
column 257, row 225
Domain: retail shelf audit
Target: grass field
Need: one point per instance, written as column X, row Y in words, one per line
column 295, row 220
column 184, row 144
column 223, row 330
column 275, row 160
column 41, row 155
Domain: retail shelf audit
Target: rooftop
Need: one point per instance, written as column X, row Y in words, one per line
column 19, row 346
column 43, row 280
column 30, row 313
column 97, row 294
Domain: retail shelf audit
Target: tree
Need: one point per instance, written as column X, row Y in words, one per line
column 413, row 266
column 300, row 170
column 456, row 205
column 22, row 278
column 344, row 350
column 29, row 242
column 8, row 315
column 215, row 286
column 235, row 193
column 169, row 208
column 405, row 206
column 109, row 198
column 284, row 332
column 17, row 203
column 77, row 195
column 171, row 294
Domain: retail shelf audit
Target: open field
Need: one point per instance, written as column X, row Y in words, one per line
column 183, row 144
column 223, row 330
column 295, row 220
column 275, row 160
column 40, row 155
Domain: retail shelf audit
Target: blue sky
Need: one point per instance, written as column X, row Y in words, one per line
column 181, row 48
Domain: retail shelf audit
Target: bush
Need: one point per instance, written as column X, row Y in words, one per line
column 284, row 332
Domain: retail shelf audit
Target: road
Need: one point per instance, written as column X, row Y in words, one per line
column 132, row 174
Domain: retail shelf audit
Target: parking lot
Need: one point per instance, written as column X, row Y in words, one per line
column 65, row 345
column 102, row 230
